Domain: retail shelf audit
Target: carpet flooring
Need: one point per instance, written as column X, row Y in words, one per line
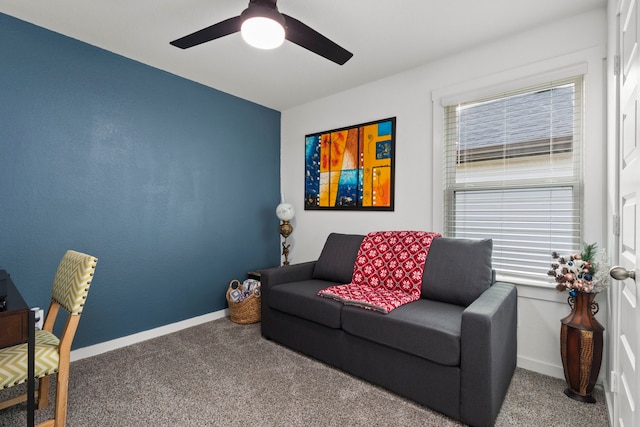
column 223, row 374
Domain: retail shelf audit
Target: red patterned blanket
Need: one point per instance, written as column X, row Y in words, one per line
column 387, row 272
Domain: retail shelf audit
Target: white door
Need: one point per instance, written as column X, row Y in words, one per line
column 625, row 292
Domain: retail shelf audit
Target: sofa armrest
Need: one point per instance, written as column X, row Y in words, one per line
column 271, row 277
column 488, row 353
column 290, row 273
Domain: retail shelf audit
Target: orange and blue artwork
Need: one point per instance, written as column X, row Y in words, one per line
column 351, row 168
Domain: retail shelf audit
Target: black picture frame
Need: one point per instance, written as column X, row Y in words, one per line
column 351, row 168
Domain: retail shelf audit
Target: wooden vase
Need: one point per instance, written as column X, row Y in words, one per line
column 581, row 346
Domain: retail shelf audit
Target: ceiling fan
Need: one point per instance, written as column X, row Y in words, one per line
column 265, row 13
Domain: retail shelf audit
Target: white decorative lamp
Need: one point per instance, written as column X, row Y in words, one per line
column 285, row 212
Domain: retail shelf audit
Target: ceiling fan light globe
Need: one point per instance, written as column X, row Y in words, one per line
column 262, row 33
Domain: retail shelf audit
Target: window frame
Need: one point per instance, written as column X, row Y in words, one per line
column 587, row 62
column 514, row 250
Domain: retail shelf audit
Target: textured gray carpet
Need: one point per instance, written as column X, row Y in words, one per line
column 223, row 374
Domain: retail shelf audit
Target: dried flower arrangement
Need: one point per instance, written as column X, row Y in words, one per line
column 587, row 271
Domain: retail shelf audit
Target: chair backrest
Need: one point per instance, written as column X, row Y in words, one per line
column 72, row 280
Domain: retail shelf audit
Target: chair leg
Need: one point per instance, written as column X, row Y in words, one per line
column 43, row 392
column 62, row 390
column 60, row 408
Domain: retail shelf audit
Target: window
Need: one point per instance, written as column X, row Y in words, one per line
column 513, row 173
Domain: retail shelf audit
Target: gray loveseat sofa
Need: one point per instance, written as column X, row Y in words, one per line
column 453, row 350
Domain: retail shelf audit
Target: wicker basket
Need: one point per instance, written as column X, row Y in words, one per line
column 246, row 311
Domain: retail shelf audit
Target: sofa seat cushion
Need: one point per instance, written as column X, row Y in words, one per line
column 301, row 299
column 424, row 328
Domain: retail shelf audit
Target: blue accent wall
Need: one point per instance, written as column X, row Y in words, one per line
column 171, row 184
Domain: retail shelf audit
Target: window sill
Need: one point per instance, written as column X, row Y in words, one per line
column 535, row 290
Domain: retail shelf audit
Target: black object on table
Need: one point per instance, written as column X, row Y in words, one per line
column 17, row 326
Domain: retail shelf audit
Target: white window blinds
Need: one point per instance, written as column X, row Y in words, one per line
column 513, row 174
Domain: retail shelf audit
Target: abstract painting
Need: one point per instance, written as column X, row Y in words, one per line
column 351, row 168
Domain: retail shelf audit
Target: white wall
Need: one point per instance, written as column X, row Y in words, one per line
column 408, row 96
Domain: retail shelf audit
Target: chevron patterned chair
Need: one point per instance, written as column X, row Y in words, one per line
column 52, row 354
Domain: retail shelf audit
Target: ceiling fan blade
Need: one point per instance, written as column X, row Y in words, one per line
column 215, row 31
column 310, row 39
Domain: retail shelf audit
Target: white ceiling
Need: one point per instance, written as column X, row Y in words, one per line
column 385, row 36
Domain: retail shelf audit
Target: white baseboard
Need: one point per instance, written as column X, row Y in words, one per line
column 608, row 395
column 540, row 367
column 550, row 370
column 103, row 347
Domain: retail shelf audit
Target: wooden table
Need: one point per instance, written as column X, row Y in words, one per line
column 17, row 326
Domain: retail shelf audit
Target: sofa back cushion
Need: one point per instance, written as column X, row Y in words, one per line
column 457, row 271
column 338, row 258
